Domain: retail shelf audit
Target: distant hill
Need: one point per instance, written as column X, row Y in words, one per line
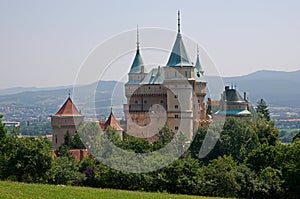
column 39, row 104
column 277, row 88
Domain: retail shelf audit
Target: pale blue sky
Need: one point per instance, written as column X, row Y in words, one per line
column 43, row 43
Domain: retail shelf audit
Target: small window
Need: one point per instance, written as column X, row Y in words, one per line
column 161, row 101
column 145, row 102
column 176, row 116
column 149, row 87
column 136, row 102
column 199, row 101
column 55, row 138
column 176, row 106
column 176, row 128
column 186, row 73
column 175, row 96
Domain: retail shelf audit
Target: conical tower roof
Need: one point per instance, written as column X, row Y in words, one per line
column 198, row 71
column 68, row 109
column 198, row 65
column 179, row 56
column 137, row 64
column 111, row 121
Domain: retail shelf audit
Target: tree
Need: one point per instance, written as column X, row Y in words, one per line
column 266, row 156
column 237, row 138
column 262, row 108
column 220, row 178
column 267, row 132
column 296, row 137
column 291, row 169
column 65, row 170
column 3, row 131
column 25, row 159
column 77, row 142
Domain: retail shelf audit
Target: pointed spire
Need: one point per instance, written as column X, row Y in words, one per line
column 179, row 56
column 137, row 37
column 137, row 64
column 178, row 24
column 198, row 65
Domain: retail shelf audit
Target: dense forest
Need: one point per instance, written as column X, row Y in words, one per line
column 248, row 161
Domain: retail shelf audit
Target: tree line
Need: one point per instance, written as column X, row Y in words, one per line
column 248, row 161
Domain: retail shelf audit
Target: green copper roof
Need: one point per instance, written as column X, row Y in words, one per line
column 233, row 96
column 179, row 56
column 137, row 64
column 233, row 112
column 198, row 71
column 156, row 76
column 198, row 65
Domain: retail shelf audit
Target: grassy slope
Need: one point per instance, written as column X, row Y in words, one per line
column 21, row 190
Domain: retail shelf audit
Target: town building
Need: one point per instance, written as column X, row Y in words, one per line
column 175, row 92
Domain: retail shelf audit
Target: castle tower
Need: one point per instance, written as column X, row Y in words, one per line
column 65, row 121
column 200, row 91
column 178, row 79
column 176, row 90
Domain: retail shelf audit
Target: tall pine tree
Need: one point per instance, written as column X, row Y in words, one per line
column 263, row 108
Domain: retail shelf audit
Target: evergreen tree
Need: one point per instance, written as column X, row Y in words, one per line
column 3, row 130
column 263, row 108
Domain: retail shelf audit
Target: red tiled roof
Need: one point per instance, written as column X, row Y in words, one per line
column 78, row 154
column 111, row 121
column 68, row 109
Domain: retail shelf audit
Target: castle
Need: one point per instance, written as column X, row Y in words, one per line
column 175, row 92
column 171, row 95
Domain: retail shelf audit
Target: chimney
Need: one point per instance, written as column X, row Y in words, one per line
column 245, row 96
column 226, row 88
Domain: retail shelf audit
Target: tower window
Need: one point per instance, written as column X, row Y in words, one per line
column 175, row 96
column 145, row 102
column 186, row 74
column 55, row 138
column 176, row 116
column 176, row 106
column 136, row 102
column 161, row 101
column 176, row 128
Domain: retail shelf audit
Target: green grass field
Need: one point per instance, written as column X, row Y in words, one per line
column 22, row 190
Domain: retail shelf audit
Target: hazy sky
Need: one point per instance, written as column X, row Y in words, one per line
column 43, row 43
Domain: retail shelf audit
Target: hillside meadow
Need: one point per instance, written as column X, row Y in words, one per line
column 23, row 190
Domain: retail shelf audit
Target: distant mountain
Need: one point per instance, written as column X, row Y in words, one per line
column 38, row 105
column 277, row 88
column 15, row 90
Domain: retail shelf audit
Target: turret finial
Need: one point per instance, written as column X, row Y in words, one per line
column 137, row 37
column 69, row 93
column 178, row 18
